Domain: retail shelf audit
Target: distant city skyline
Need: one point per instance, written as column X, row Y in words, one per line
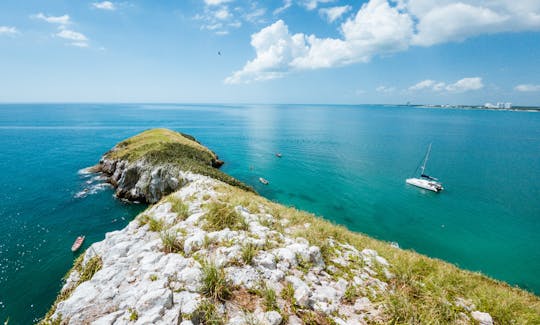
column 469, row 52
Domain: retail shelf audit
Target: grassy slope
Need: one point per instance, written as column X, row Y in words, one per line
column 163, row 146
column 424, row 289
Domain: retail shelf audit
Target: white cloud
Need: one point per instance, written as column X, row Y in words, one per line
column 313, row 4
column 527, row 88
column 386, row 26
column 216, row 2
column 286, row 5
column 71, row 35
column 377, row 28
column 456, row 22
column 423, row 85
column 104, row 5
column 462, row 85
column 61, row 20
column 7, row 30
column 333, row 13
column 222, row 14
column 465, row 84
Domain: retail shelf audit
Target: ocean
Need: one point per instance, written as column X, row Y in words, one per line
column 346, row 163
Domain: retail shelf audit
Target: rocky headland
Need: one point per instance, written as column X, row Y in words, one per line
column 211, row 251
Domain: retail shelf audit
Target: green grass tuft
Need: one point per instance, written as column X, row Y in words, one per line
column 214, row 282
column 249, row 251
column 178, row 207
column 156, row 225
column 221, row 215
column 170, row 241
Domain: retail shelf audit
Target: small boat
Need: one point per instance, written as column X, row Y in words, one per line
column 77, row 244
column 278, row 155
column 262, row 180
column 425, row 181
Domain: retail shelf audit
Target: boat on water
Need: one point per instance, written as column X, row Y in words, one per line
column 77, row 244
column 278, row 155
column 425, row 181
column 264, row 181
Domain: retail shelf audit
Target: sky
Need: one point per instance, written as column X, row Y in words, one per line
column 280, row 51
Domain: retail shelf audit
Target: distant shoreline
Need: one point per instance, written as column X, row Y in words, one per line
column 478, row 107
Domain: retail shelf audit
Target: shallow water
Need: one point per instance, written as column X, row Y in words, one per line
column 347, row 163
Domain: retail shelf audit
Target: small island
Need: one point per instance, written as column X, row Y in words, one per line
column 211, row 251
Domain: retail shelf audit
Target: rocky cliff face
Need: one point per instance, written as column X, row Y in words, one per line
column 147, row 166
column 141, row 181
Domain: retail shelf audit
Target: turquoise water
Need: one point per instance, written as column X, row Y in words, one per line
column 348, row 163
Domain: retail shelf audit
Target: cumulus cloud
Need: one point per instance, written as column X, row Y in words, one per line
column 61, row 20
column 462, row 85
column 333, row 13
column 8, row 30
column 377, row 28
column 527, row 88
column 104, row 5
column 380, row 27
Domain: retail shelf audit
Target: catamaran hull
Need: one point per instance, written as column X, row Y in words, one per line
column 425, row 184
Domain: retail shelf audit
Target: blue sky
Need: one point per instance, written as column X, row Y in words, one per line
column 282, row 51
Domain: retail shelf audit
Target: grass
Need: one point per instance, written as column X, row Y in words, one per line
column 214, row 282
column 156, row 225
column 249, row 251
column 170, row 241
column 269, row 299
column 207, row 314
column 221, row 215
column 422, row 287
column 163, row 146
column 178, row 207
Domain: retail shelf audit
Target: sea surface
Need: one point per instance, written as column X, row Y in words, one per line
column 346, row 163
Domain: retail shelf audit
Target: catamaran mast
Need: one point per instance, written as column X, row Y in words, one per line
column 426, row 159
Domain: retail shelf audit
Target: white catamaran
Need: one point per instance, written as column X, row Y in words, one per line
column 425, row 181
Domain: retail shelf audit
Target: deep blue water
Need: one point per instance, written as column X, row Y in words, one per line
column 346, row 163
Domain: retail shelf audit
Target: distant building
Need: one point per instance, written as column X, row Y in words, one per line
column 499, row 105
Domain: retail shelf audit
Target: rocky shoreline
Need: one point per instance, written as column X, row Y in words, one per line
column 208, row 252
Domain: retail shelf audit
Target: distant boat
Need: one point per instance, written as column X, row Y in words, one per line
column 262, row 180
column 77, row 244
column 278, row 155
column 425, row 181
